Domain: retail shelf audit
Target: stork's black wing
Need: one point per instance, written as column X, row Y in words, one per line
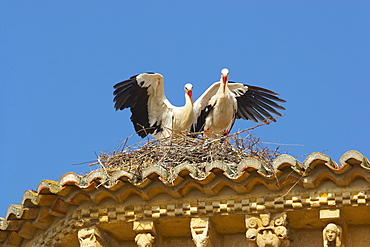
column 201, row 120
column 257, row 104
column 128, row 94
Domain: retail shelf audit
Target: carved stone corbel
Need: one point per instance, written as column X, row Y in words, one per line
column 144, row 240
column 263, row 232
column 332, row 235
column 145, row 233
column 91, row 237
column 201, row 232
column 336, row 229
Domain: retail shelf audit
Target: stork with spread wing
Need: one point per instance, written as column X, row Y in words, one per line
column 152, row 113
column 224, row 101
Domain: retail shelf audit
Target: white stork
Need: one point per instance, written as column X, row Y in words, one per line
column 223, row 102
column 152, row 113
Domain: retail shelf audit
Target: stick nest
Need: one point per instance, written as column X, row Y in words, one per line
column 178, row 149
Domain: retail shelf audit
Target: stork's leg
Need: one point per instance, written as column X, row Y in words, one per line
column 207, row 132
column 226, row 135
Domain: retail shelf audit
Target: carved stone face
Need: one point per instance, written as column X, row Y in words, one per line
column 331, row 232
column 331, row 235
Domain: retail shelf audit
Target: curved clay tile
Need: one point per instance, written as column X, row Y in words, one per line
column 353, row 157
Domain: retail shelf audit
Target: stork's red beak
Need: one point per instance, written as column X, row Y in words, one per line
column 190, row 93
column 224, row 79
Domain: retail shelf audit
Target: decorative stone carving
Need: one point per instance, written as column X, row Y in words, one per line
column 89, row 237
column 93, row 236
column 263, row 232
column 200, row 231
column 145, row 233
column 332, row 235
column 144, row 240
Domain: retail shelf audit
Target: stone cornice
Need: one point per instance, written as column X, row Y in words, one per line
column 293, row 186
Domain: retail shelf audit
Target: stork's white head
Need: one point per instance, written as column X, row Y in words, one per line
column 189, row 90
column 224, row 75
column 225, row 72
column 188, row 87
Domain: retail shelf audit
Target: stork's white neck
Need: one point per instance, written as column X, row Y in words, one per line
column 189, row 98
column 224, row 82
column 184, row 116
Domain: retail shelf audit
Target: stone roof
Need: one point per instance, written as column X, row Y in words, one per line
column 54, row 199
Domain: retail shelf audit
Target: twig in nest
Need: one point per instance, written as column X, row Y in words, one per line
column 287, row 192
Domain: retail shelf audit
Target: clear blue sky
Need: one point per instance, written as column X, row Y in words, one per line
column 60, row 59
